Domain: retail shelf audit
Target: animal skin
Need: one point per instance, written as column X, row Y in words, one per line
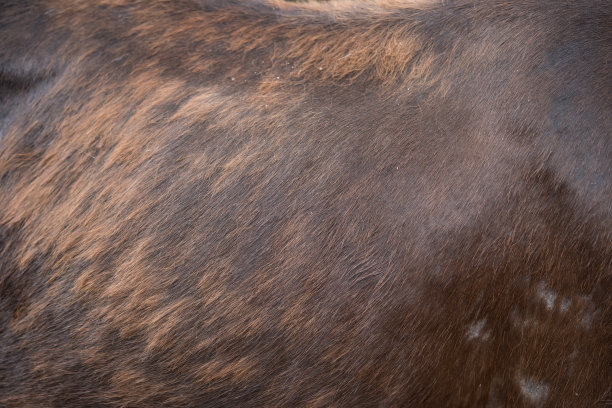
column 215, row 203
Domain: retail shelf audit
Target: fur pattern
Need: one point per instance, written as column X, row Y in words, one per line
column 213, row 203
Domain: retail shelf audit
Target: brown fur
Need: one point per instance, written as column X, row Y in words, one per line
column 210, row 203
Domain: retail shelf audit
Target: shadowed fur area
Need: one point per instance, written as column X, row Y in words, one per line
column 218, row 203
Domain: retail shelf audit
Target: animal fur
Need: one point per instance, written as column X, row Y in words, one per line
column 211, row 203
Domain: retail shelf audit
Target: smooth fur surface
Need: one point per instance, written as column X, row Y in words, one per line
column 209, row 203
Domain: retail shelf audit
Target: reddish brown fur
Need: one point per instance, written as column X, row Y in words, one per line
column 206, row 203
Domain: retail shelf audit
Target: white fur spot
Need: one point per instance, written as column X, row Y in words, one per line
column 533, row 391
column 547, row 295
column 565, row 305
column 589, row 311
column 474, row 330
column 521, row 322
